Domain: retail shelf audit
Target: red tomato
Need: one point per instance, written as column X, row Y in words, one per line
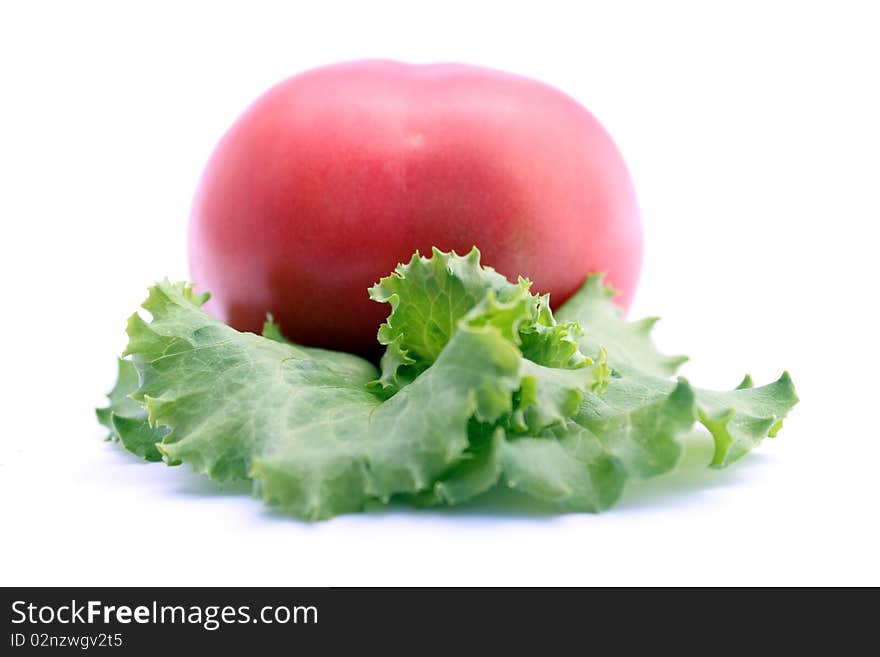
column 335, row 175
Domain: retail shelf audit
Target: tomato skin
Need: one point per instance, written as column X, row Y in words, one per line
column 333, row 176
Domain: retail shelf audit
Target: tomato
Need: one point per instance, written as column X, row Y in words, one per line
column 333, row 176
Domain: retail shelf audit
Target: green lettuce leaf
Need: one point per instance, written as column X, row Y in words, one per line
column 303, row 423
column 634, row 428
column 126, row 419
column 479, row 384
column 738, row 419
column 628, row 344
column 445, row 290
column 566, row 465
column 300, row 422
column 476, row 472
column 429, row 297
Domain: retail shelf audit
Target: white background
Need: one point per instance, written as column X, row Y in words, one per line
column 752, row 134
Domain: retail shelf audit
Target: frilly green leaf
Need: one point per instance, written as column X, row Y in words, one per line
column 479, row 384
